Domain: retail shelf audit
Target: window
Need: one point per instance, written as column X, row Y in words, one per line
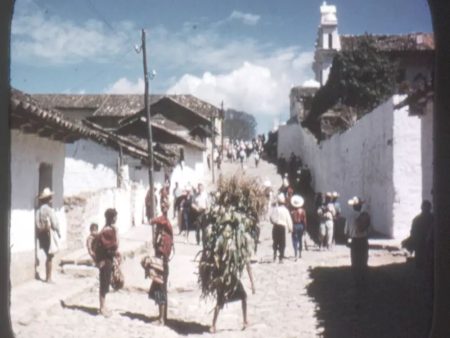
column 330, row 41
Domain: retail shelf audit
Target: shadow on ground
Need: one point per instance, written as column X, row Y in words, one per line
column 179, row 326
column 93, row 311
column 393, row 304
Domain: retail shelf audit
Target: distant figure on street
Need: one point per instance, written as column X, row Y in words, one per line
column 420, row 230
column 257, row 157
column 281, row 220
column 298, row 215
column 357, row 229
column 107, row 248
column 176, row 192
column 164, row 246
column 47, row 230
column 326, row 213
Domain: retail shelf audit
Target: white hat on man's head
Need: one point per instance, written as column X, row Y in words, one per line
column 297, row 201
column 355, row 201
column 281, row 199
column 46, row 193
column 335, row 194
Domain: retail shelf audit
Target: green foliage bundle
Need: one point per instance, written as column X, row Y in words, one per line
column 227, row 246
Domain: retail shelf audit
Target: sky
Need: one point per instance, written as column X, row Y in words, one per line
column 247, row 54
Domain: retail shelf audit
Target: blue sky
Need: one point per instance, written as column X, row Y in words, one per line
column 247, row 53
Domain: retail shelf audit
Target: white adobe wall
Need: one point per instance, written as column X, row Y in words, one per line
column 193, row 170
column 386, row 158
column 27, row 152
column 408, row 177
column 357, row 162
column 427, row 153
column 89, row 167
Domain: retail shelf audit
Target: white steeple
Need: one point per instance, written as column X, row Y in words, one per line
column 327, row 43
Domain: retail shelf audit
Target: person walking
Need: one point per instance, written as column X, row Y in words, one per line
column 357, row 229
column 163, row 249
column 47, row 230
column 106, row 249
column 281, row 220
column 238, row 293
column 298, row 215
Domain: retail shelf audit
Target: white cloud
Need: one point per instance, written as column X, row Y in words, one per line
column 260, row 87
column 246, row 18
column 39, row 37
column 125, row 86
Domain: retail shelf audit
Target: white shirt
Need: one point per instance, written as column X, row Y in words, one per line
column 280, row 216
column 201, row 200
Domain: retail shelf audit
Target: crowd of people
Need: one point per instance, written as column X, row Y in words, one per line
column 286, row 212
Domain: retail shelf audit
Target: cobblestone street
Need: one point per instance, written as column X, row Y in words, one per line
column 311, row 297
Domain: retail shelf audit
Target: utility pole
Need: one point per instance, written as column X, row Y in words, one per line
column 213, row 143
column 222, row 117
column 149, row 137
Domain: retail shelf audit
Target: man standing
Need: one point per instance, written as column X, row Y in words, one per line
column 281, row 219
column 420, row 229
column 199, row 207
column 357, row 229
column 47, row 230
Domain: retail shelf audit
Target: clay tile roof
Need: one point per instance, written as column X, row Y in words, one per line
column 118, row 104
column 394, row 43
column 29, row 116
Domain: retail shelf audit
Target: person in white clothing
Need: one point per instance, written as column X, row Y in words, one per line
column 281, row 220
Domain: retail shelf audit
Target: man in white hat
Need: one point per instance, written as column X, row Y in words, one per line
column 298, row 215
column 357, row 229
column 47, row 230
column 281, row 220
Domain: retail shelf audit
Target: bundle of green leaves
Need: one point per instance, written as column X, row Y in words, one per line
column 227, row 246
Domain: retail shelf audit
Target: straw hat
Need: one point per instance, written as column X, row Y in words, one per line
column 297, row 201
column 281, row 199
column 46, row 193
column 355, row 201
column 335, row 194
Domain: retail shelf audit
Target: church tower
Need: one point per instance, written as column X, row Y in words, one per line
column 327, row 43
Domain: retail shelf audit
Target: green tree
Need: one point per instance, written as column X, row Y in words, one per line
column 360, row 77
column 239, row 125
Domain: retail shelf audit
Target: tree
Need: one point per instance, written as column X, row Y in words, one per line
column 361, row 78
column 239, row 125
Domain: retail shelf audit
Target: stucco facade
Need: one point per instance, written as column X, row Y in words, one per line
column 385, row 158
column 28, row 152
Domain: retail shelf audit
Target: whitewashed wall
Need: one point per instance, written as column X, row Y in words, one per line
column 27, row 152
column 194, row 168
column 89, row 167
column 379, row 159
column 407, row 170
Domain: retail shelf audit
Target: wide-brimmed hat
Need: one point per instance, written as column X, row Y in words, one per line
column 281, row 199
column 297, row 201
column 46, row 193
column 355, row 201
column 157, row 186
column 267, row 184
column 335, row 194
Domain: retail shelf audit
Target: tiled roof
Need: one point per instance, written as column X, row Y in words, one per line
column 393, row 43
column 118, row 104
column 28, row 116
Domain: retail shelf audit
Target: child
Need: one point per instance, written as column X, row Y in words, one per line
column 91, row 240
